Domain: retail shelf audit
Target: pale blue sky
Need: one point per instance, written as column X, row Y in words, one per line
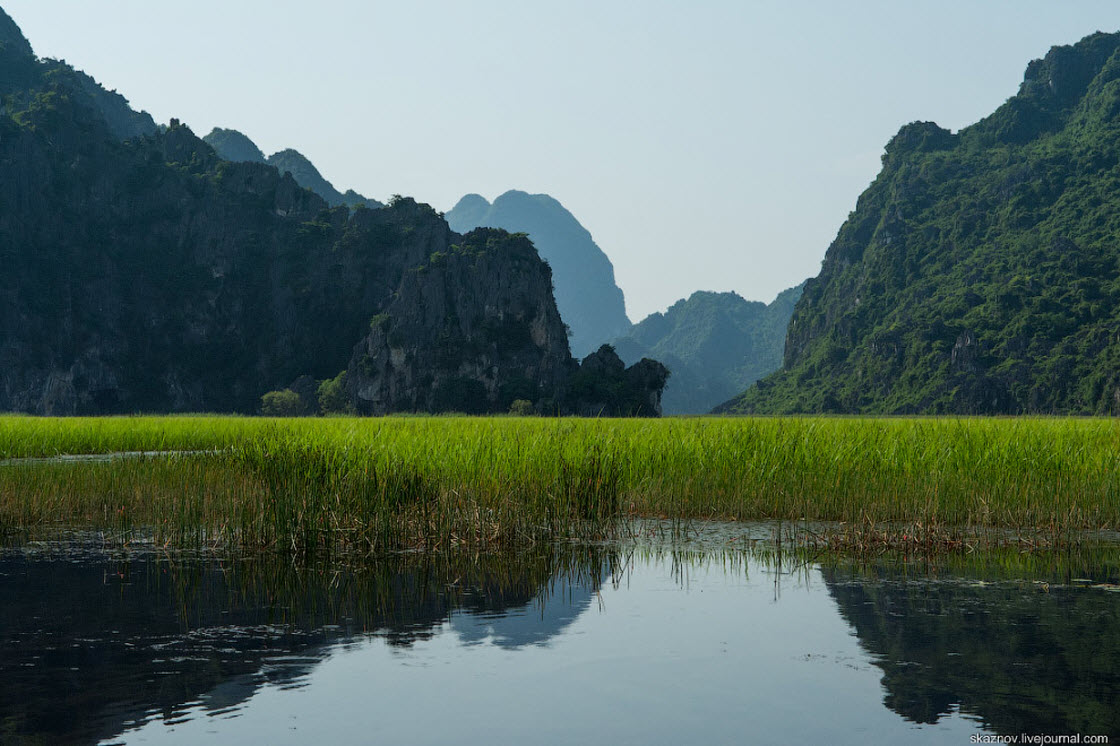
column 707, row 145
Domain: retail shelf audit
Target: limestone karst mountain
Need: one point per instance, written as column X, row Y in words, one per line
column 590, row 302
column 980, row 272
column 145, row 273
column 714, row 345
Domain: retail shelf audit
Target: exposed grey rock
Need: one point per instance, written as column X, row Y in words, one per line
column 145, row 273
column 590, row 302
column 471, row 329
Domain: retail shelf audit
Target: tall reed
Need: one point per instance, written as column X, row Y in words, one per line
column 384, row 483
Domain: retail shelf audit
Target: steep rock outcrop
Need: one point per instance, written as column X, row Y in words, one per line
column 471, row 328
column 20, row 70
column 123, row 122
column 590, row 302
column 146, row 273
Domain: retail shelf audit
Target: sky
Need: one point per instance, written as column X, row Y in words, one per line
column 708, row 145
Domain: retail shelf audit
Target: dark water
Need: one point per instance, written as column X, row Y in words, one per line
column 604, row 644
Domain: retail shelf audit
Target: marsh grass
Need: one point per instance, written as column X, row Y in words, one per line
column 380, row 484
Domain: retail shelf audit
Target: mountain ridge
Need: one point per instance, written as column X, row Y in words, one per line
column 714, row 345
column 235, row 146
column 145, row 273
column 979, row 272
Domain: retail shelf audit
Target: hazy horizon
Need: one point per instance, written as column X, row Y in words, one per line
column 714, row 147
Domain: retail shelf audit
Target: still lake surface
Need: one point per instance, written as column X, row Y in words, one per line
column 641, row 642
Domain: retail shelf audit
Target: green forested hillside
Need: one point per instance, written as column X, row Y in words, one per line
column 714, row 345
column 980, row 272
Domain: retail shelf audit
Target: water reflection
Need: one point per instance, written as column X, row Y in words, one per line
column 1037, row 655
column 91, row 644
column 621, row 643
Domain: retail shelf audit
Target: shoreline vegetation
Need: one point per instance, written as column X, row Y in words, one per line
column 866, row 486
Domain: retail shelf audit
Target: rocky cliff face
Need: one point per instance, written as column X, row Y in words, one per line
column 147, row 275
column 471, row 329
column 590, row 302
column 143, row 272
column 980, row 272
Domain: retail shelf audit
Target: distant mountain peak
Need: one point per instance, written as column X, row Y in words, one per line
column 295, row 156
column 711, row 296
column 545, row 206
column 468, row 212
column 516, row 194
column 234, row 146
column 12, row 37
column 590, row 302
column 714, row 344
column 306, row 175
column 471, row 201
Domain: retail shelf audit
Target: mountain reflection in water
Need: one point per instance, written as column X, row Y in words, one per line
column 1035, row 657
column 708, row 644
column 91, row 645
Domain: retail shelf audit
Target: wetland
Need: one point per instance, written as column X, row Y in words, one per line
column 373, row 485
column 650, row 639
column 174, row 580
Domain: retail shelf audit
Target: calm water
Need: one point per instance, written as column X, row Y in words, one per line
column 606, row 644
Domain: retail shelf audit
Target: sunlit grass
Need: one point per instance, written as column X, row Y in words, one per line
column 376, row 484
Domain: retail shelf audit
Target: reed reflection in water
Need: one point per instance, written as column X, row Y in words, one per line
column 620, row 643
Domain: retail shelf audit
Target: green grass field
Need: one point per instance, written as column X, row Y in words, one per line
column 386, row 483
